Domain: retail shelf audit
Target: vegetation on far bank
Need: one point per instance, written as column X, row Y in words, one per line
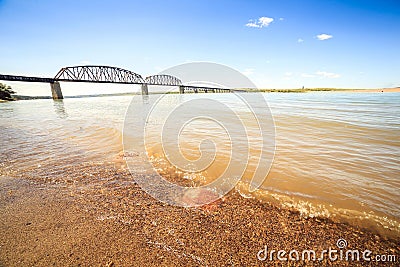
column 6, row 92
column 295, row 90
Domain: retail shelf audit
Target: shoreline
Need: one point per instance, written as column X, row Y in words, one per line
column 306, row 90
column 381, row 90
column 104, row 218
column 329, row 90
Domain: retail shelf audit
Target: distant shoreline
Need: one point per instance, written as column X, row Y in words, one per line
column 305, row 90
column 382, row 90
column 341, row 90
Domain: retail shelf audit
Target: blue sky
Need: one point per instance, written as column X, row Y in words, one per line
column 274, row 42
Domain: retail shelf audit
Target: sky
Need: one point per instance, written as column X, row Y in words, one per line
column 276, row 43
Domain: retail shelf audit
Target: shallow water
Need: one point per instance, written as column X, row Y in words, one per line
column 337, row 154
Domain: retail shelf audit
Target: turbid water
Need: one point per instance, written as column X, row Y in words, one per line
column 337, row 154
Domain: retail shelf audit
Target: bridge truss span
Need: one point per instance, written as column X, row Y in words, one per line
column 107, row 74
column 163, row 79
column 98, row 74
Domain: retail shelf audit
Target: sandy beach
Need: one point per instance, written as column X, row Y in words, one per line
column 102, row 218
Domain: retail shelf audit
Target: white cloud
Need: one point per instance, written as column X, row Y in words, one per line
column 324, row 36
column 306, row 75
column 260, row 23
column 281, row 19
column 85, row 62
column 265, row 21
column 300, row 40
column 327, row 74
column 253, row 25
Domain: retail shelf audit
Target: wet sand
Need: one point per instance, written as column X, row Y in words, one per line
column 102, row 218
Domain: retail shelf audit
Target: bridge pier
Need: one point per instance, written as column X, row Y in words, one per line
column 181, row 89
column 56, row 90
column 145, row 89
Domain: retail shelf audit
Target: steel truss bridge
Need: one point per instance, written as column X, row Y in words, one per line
column 107, row 74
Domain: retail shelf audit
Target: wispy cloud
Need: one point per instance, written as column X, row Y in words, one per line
column 306, row 75
column 324, row 36
column 321, row 74
column 300, row 40
column 260, row 23
column 85, row 62
column 281, row 19
column 327, row 74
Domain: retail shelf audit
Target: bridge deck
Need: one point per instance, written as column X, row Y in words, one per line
column 204, row 89
column 17, row 78
column 25, row 79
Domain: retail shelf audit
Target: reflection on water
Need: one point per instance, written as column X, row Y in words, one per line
column 145, row 99
column 338, row 155
column 59, row 108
